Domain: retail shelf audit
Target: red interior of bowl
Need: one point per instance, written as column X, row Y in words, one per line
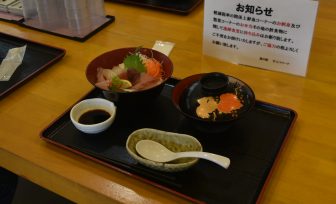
column 115, row 57
column 181, row 87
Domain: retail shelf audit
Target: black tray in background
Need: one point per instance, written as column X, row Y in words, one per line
column 110, row 19
column 252, row 144
column 21, row 22
column 37, row 58
column 176, row 6
column 11, row 18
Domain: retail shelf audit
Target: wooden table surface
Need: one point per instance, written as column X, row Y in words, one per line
column 305, row 172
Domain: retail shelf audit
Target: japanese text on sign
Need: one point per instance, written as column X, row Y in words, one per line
column 258, row 10
column 267, row 34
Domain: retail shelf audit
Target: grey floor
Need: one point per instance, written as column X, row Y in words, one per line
column 30, row 193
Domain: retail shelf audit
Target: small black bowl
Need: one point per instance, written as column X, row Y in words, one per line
column 187, row 92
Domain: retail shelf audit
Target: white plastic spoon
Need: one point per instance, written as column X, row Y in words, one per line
column 155, row 151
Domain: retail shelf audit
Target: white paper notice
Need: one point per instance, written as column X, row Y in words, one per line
column 269, row 34
column 164, row 47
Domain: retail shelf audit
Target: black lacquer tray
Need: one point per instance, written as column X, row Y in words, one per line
column 21, row 22
column 252, row 144
column 176, row 6
column 110, row 19
column 37, row 58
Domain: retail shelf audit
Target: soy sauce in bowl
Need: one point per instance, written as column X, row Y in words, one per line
column 93, row 117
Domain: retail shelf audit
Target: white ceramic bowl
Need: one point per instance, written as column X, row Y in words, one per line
column 93, row 104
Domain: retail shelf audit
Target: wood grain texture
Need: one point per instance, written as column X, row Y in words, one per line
column 305, row 172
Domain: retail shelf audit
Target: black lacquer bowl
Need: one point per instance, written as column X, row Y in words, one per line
column 188, row 92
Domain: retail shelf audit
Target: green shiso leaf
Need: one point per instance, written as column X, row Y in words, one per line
column 116, row 83
column 135, row 62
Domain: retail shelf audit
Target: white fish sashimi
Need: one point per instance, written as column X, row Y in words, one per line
column 104, row 84
column 104, row 76
column 146, row 81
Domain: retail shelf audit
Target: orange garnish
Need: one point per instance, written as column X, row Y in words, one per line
column 228, row 102
column 153, row 68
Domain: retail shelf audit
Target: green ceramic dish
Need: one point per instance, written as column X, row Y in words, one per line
column 173, row 141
